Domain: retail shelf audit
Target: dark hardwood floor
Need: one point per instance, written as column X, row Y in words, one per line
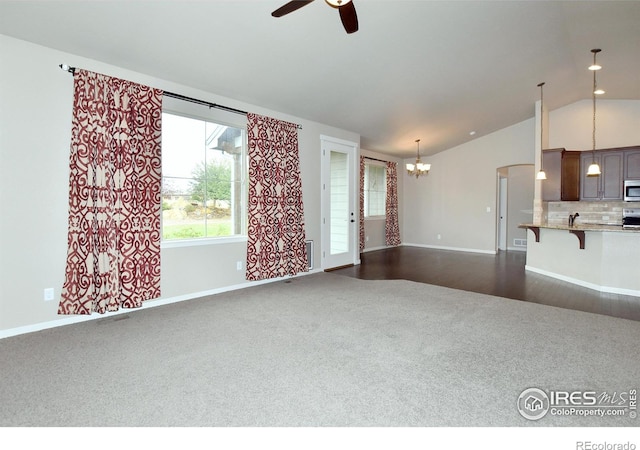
column 502, row 275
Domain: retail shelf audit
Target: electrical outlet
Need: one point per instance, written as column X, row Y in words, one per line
column 367, row 239
column 48, row 294
column 439, row 237
column 239, row 265
column 605, row 217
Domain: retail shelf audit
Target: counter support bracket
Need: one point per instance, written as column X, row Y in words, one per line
column 536, row 231
column 580, row 235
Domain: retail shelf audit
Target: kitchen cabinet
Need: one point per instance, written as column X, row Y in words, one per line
column 632, row 164
column 607, row 186
column 552, row 166
column 563, row 175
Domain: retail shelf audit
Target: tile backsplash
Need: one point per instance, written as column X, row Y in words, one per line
column 596, row 213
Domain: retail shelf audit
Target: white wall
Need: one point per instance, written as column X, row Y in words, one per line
column 617, row 125
column 35, row 116
column 452, row 201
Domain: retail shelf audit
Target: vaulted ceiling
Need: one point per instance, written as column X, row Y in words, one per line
column 429, row 70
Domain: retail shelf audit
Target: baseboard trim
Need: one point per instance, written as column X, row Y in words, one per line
column 373, row 249
column 578, row 282
column 331, row 269
column 70, row 320
column 455, row 249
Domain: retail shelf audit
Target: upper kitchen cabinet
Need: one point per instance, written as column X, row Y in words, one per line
column 563, row 175
column 632, row 164
column 607, row 186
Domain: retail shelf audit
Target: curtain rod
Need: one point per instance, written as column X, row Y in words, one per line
column 72, row 70
column 376, row 159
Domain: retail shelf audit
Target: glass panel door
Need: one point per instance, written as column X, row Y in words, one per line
column 339, row 214
column 339, row 218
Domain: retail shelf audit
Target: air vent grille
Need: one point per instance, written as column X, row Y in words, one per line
column 310, row 254
column 519, row 242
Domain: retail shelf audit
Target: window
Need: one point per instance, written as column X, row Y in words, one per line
column 203, row 179
column 375, row 190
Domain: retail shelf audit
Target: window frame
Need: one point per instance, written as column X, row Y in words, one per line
column 368, row 164
column 198, row 112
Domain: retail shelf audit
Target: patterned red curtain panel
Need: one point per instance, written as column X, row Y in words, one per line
column 113, row 257
column 391, row 228
column 276, row 235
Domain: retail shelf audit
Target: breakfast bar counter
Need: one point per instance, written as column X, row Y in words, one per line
column 578, row 229
column 603, row 257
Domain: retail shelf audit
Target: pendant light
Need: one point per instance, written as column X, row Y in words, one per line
column 541, row 174
column 419, row 168
column 594, row 168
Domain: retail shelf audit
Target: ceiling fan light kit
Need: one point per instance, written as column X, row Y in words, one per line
column 346, row 8
column 337, row 3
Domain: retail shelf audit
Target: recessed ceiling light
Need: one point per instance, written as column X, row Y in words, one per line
column 471, row 133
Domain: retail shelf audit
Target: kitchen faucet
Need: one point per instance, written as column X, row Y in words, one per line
column 572, row 218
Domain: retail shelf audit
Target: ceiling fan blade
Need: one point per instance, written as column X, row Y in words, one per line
column 349, row 17
column 290, row 7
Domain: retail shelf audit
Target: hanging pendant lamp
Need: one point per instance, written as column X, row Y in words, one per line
column 594, row 168
column 541, row 174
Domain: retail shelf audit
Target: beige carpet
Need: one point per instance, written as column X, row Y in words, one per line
column 320, row 350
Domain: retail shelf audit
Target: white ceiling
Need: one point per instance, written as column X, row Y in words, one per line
column 433, row 70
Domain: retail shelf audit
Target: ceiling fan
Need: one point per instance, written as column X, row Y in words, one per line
column 345, row 7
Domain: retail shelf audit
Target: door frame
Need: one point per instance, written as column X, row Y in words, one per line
column 504, row 180
column 354, row 174
column 503, row 193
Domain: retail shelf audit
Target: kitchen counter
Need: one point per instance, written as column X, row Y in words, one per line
column 582, row 227
column 578, row 229
column 606, row 258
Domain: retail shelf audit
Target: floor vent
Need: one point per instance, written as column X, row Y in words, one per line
column 519, row 242
column 310, row 254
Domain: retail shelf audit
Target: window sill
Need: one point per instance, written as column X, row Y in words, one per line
column 177, row 243
column 375, row 218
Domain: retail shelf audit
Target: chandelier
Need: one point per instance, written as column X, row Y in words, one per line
column 418, row 168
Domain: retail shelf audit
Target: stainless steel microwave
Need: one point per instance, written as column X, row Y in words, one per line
column 632, row 190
